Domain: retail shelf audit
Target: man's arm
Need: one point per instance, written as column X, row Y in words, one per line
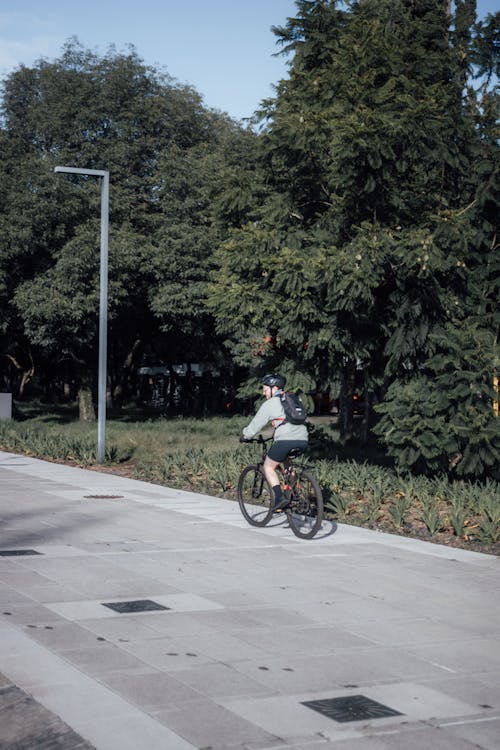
column 258, row 422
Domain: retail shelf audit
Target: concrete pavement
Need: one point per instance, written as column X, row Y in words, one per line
column 134, row 615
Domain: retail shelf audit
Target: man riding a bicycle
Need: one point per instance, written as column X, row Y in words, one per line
column 286, row 436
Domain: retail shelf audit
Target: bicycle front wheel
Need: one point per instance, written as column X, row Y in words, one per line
column 255, row 496
column 305, row 512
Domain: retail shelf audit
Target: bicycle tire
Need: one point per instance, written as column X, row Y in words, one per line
column 255, row 496
column 305, row 512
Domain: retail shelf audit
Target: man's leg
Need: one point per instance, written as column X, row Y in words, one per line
column 269, row 469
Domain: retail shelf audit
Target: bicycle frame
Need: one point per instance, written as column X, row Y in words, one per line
column 289, row 469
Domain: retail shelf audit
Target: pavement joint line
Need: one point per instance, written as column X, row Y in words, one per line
column 441, row 666
column 325, row 554
column 468, row 721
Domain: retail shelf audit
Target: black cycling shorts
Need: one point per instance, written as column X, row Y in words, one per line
column 280, row 449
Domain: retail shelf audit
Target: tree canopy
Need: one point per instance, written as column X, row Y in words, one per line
column 374, row 247
column 165, row 153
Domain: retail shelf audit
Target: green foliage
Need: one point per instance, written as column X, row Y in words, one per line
column 485, row 54
column 429, row 513
column 489, row 522
column 458, row 518
column 166, row 154
column 34, row 440
column 442, row 419
column 399, row 508
column 375, row 232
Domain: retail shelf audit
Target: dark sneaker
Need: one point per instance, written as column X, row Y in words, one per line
column 280, row 504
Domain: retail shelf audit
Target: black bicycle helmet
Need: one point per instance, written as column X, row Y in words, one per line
column 273, row 379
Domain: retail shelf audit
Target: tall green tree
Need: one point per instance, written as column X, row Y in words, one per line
column 164, row 151
column 372, row 232
column 450, row 418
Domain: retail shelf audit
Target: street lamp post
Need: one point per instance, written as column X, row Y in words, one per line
column 103, row 303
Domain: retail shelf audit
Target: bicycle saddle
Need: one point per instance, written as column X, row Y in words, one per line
column 294, row 453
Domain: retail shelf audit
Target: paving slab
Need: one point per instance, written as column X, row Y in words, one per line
column 134, row 615
column 27, row 724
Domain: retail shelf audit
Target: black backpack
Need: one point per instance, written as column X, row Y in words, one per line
column 293, row 407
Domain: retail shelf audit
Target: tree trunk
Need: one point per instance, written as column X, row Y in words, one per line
column 365, row 424
column 120, row 390
column 346, row 420
column 25, row 379
column 24, row 374
column 366, row 419
column 86, row 404
column 67, row 379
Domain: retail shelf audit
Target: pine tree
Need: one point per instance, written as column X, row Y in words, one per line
column 368, row 240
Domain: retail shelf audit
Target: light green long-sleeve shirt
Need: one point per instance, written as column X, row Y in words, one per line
column 270, row 410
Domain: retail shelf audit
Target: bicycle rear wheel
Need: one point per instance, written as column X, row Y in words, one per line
column 305, row 512
column 255, row 496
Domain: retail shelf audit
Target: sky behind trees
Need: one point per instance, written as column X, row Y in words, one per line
column 223, row 48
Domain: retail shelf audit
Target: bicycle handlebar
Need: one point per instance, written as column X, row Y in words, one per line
column 259, row 440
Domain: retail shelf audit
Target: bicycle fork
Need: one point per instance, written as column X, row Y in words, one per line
column 258, row 484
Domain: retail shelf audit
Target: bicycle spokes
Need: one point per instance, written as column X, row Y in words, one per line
column 305, row 512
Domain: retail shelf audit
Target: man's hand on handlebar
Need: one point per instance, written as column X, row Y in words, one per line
column 259, row 439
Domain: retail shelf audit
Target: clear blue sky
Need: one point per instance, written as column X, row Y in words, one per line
column 223, row 48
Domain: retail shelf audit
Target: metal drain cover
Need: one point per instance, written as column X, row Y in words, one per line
column 16, row 552
column 141, row 605
column 351, row 708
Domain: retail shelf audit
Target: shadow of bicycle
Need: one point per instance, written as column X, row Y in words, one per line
column 327, row 528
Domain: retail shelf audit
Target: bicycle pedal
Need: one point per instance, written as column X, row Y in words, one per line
column 282, row 509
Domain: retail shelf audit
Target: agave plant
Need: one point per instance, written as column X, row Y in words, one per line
column 489, row 519
column 399, row 508
column 429, row 513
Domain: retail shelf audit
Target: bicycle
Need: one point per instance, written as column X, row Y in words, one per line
column 255, row 497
